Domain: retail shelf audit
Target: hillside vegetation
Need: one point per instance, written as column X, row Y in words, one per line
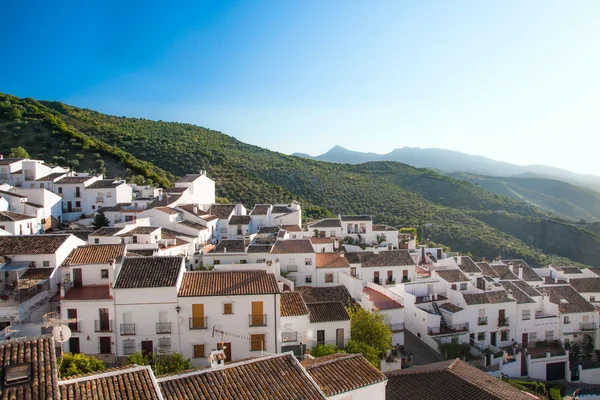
column 444, row 209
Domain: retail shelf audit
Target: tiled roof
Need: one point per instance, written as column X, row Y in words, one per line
column 449, row 380
column 95, row 254
column 165, row 233
column 575, row 303
column 141, row 253
column 167, row 199
column 491, row 297
column 326, row 223
column 240, row 220
column 31, row 244
column 293, row 247
column 8, row 216
column 190, row 208
column 227, row 283
column 327, row 312
column 453, row 308
column 312, row 294
column 259, row 248
column 281, row 210
column 39, row 353
column 143, row 230
column 37, row 274
column 130, row 382
column 520, row 296
column 452, row 275
column 570, row 270
column 386, row 258
column 175, row 190
column 526, row 288
column 384, row 228
column 148, row 272
column 291, row 228
column 260, row 209
column 355, row 217
column 8, row 161
column 221, row 211
column 320, row 240
column 468, row 266
column 276, row 377
column 231, row 246
column 167, row 210
column 586, row 285
column 332, row 260
column 268, row 229
column 34, row 204
column 12, row 194
column 51, row 177
column 487, row 270
column 89, row 292
column 106, row 231
column 105, row 184
column 292, row 304
column 189, row 178
column 73, row 179
column 503, row 271
column 340, row 373
column 529, row 274
column 193, row 225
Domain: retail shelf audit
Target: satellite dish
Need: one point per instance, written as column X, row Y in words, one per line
column 61, row 333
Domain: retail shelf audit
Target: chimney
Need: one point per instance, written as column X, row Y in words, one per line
column 376, row 251
column 160, row 197
column 217, row 359
column 195, row 209
column 520, row 272
column 511, row 267
column 509, row 294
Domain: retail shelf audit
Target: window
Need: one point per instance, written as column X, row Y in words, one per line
column 128, row 346
column 227, row 308
column 77, row 204
column 592, row 298
column 463, row 286
column 308, row 261
column 480, row 336
column 93, row 207
column 320, row 337
column 46, row 263
column 503, row 336
column 453, row 286
column 454, row 340
column 566, row 320
column 32, row 264
column 243, row 262
column 257, row 342
column 533, row 336
column 96, row 241
column 308, row 279
column 217, row 262
column 104, row 273
column 59, row 190
column 549, row 336
column 260, row 260
column 108, row 194
column 526, row 315
column 328, row 278
column 223, row 230
column 332, row 234
column 198, row 351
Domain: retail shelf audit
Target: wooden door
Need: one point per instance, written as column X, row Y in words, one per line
column 105, row 345
column 493, row 338
column 77, row 277
column 322, row 234
column 74, row 345
column 257, row 313
column 104, row 321
column 501, row 317
column 339, row 338
column 376, row 277
column 198, row 316
column 226, row 350
column 69, row 207
column 524, row 340
column 147, row 348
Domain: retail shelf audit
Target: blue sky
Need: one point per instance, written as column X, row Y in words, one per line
column 514, row 81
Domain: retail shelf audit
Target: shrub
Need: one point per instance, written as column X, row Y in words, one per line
column 79, row 364
column 321, row 350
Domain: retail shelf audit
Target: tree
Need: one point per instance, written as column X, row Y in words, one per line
column 18, row 152
column 78, row 364
column 369, row 329
column 321, row 350
column 370, row 353
column 163, row 363
column 100, row 220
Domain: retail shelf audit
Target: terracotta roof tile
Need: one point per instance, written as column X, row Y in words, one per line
column 332, row 260
column 355, row 218
column 326, row 223
column 487, row 270
column 260, row 209
column 8, row 216
column 529, row 274
column 293, row 247
column 31, row 244
column 327, row 311
column 259, row 248
column 491, row 297
column 106, row 231
column 74, row 179
column 520, row 296
column 37, row 274
column 320, row 240
column 221, row 211
column 339, row 293
column 277, row 377
column 149, row 272
column 586, row 285
column 240, row 220
column 575, row 303
column 230, row 246
column 467, row 265
column 227, row 283
column 105, row 184
column 189, row 178
column 452, row 275
column 167, row 210
column 451, row 307
column 385, row 258
column 95, row 254
column 281, row 210
column 340, row 373
column 503, row 272
column 291, row 228
column 292, row 304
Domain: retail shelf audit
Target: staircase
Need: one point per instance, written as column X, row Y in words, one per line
column 443, row 325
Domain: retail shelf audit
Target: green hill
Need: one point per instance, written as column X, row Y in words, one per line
column 563, row 199
column 444, row 209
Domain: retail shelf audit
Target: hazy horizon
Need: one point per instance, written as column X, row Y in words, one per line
column 511, row 81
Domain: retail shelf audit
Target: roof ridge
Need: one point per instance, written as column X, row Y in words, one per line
column 332, row 360
column 107, row 373
column 470, row 382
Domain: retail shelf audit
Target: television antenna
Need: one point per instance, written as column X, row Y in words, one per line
column 61, row 331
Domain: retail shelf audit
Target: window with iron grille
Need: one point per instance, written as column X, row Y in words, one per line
column 128, row 346
column 328, row 278
column 164, row 344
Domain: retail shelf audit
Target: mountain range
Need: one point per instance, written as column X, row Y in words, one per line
column 445, row 210
column 450, row 161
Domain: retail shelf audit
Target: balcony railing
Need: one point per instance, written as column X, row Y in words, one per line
column 287, row 337
column 74, row 326
column 103, row 326
column 503, row 322
column 257, row 320
column 376, row 281
column 390, row 281
column 587, row 327
column 449, row 330
column 127, row 329
column 292, row 268
column 405, row 279
column 199, row 323
column 482, row 321
column 99, row 199
column 163, row 327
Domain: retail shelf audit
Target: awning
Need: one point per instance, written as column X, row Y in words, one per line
column 15, row 266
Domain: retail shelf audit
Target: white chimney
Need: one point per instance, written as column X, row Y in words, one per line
column 195, row 209
column 217, row 359
column 511, row 267
column 376, row 251
column 520, row 272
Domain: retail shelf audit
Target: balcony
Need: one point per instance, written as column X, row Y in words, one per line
column 199, row 323
column 127, row 329
column 587, row 327
column 74, row 326
column 73, row 209
column 449, row 330
column 103, row 326
column 287, row 337
column 163, row 327
column 376, row 281
column 396, row 328
column 482, row 321
column 503, row 322
column 257, row 320
column 390, row 281
column 405, row 279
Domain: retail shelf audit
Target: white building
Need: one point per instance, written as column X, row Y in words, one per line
column 18, row 224
column 201, row 189
column 72, row 191
column 298, row 259
column 105, row 193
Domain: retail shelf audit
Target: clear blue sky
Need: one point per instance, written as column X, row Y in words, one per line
column 515, row 81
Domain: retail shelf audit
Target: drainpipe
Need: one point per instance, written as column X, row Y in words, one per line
column 275, row 321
